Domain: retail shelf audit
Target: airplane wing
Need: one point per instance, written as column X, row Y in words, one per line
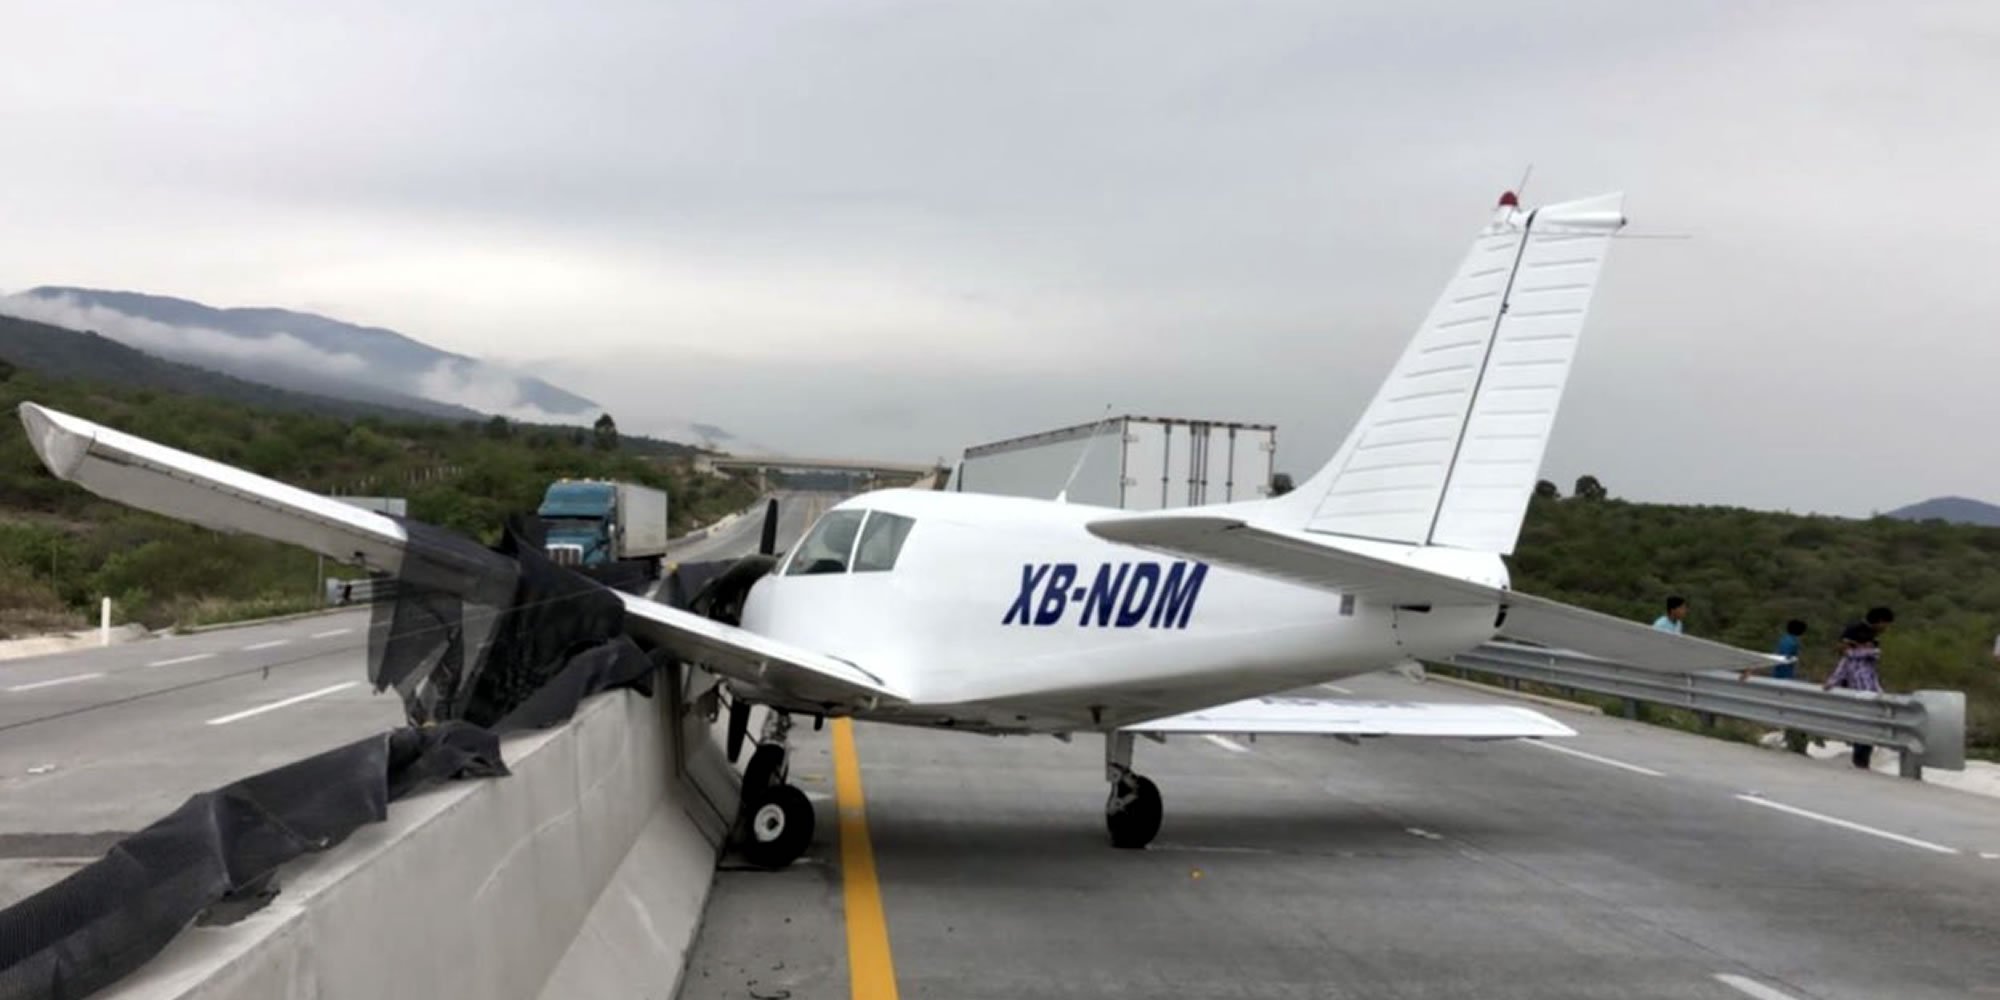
column 1308, row 562
column 1337, row 717
column 154, row 477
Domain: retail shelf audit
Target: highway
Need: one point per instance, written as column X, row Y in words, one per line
column 98, row 743
column 1629, row 861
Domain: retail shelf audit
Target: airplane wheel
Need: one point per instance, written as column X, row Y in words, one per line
column 1133, row 812
column 780, row 826
column 766, row 768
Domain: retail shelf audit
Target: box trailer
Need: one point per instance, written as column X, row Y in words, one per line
column 1131, row 462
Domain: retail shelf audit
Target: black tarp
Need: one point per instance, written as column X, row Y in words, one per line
column 479, row 643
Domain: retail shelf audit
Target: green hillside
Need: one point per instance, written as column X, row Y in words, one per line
column 62, row 548
column 1745, row 572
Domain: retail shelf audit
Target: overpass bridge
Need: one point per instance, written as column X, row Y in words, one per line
column 874, row 474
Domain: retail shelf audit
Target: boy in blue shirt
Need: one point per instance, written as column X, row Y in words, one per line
column 1677, row 609
column 1788, row 647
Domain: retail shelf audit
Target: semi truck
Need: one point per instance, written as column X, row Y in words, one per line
column 1131, row 462
column 606, row 529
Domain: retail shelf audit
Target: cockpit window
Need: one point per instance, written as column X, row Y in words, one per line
column 827, row 547
column 881, row 541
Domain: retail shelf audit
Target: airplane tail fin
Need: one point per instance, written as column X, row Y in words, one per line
column 1448, row 452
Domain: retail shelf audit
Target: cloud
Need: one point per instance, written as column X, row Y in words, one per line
column 489, row 389
column 897, row 226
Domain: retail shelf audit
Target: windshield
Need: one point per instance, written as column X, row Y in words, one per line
column 827, row 547
column 881, row 541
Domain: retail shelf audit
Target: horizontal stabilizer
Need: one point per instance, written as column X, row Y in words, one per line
column 1312, row 562
column 1335, row 717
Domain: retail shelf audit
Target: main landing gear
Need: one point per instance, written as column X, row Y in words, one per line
column 774, row 823
column 1133, row 812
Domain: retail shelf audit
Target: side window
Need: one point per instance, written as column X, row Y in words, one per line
column 827, row 546
column 881, row 541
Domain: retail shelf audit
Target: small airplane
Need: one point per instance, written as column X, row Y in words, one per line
column 1007, row 615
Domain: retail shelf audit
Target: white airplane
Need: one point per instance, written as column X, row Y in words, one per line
column 1003, row 615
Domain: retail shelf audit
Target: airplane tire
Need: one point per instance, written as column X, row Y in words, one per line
column 780, row 826
column 1134, row 823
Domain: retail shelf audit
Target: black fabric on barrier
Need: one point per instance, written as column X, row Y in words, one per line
column 107, row 918
column 522, row 651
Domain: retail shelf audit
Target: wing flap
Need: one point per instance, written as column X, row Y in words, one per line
column 1343, row 717
column 792, row 673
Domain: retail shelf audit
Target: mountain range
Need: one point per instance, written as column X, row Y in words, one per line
column 1958, row 510
column 306, row 353
column 324, row 362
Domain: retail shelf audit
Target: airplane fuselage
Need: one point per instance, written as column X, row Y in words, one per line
column 1006, row 614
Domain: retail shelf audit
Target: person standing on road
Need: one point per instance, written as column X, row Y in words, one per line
column 1677, row 610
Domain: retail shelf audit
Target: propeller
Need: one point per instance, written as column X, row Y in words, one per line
column 767, row 545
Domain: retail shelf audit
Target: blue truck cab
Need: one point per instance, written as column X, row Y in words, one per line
column 597, row 525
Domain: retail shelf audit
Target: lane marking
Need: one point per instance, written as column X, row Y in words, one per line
column 871, row 973
column 1417, row 831
column 1606, row 761
column 1225, row 743
column 180, row 659
column 329, row 635
column 1337, row 689
column 1848, row 825
column 1988, row 856
column 267, row 645
column 1751, row 987
column 223, row 720
column 72, row 679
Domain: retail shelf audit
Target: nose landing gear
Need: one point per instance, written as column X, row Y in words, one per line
column 775, row 819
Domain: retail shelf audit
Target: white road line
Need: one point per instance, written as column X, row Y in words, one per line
column 1337, row 689
column 266, row 645
column 1417, row 831
column 1225, row 743
column 180, row 659
column 293, row 700
column 331, row 634
column 1606, row 761
column 60, row 680
column 1848, row 825
column 1751, row 987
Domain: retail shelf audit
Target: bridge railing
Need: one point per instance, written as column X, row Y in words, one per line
column 1926, row 727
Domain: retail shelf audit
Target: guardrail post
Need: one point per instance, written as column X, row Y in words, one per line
column 104, row 624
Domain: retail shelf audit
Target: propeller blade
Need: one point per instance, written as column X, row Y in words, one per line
column 768, row 544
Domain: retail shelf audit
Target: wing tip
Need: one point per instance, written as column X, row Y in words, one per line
column 56, row 438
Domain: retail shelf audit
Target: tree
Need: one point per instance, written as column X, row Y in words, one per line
column 1588, row 488
column 605, row 433
column 1547, row 490
column 1281, row 483
column 498, row 430
column 6, row 370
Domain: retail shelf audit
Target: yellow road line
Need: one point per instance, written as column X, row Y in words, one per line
column 871, row 974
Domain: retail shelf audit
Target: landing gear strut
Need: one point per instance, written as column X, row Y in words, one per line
column 1133, row 811
column 775, row 820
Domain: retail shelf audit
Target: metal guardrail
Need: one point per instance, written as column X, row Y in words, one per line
column 1926, row 727
column 367, row 590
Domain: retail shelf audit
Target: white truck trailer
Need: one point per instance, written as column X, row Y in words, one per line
column 1132, row 462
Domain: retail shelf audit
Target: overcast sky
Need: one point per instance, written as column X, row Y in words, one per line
column 896, row 229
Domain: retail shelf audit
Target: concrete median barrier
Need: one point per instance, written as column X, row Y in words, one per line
column 584, row 873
